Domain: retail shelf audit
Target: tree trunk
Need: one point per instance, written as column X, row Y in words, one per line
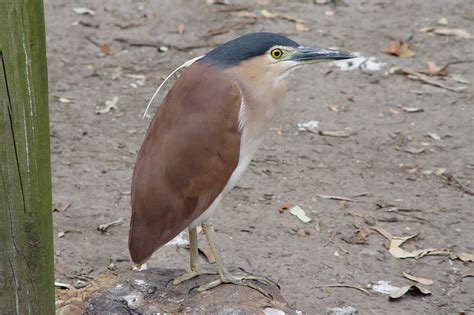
column 26, row 242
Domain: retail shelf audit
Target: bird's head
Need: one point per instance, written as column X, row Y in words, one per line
column 269, row 55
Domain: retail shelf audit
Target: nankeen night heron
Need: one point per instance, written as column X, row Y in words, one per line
column 203, row 137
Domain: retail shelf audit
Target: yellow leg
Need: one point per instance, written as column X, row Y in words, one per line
column 193, row 260
column 224, row 275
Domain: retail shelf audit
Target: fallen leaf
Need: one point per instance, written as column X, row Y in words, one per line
column 300, row 27
column 399, row 252
column 434, row 136
column 335, row 108
column 397, row 241
column 382, row 232
column 360, row 236
column 181, row 28
column 400, row 49
column 414, row 288
column 415, row 150
column 433, row 69
column 300, row 214
column 61, row 208
column 62, row 233
column 457, row 32
column 302, row 232
column 411, row 109
column 443, row 21
column 417, row 279
column 83, row 11
column 221, row 2
column 339, row 134
column 104, row 49
column 464, row 257
column 65, row 100
column 284, row 207
column 440, row 171
column 104, row 227
column 417, row 75
column 109, row 106
column 268, row 14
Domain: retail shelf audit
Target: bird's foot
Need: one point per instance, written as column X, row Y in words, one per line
column 241, row 278
column 193, row 274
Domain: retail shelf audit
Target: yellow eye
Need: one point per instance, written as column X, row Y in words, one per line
column 276, row 53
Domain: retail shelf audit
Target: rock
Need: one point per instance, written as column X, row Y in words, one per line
column 152, row 291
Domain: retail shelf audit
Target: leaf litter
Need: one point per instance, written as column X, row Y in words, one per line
column 417, row 279
column 298, row 212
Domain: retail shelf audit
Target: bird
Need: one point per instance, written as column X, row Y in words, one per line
column 201, row 140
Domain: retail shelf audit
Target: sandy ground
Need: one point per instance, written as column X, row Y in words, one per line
column 406, row 164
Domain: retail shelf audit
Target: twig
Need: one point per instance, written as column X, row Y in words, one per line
column 454, row 62
column 342, row 285
column 414, row 75
column 336, row 198
column 104, row 227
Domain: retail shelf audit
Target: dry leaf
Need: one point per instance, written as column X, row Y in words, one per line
column 415, row 150
column 181, row 28
column 464, row 257
column 340, row 134
column 83, row 11
column 268, row 14
column 395, row 249
column 65, row 100
column 300, row 27
column 417, row 279
column 300, row 214
column 414, row 288
column 360, row 236
column 433, row 69
column 335, row 108
column 443, row 21
column 284, row 207
column 458, row 32
column 104, row 49
column 399, row 252
column 109, row 105
column 382, row 232
column 400, row 49
column 302, row 232
column 411, row 109
column 434, row 136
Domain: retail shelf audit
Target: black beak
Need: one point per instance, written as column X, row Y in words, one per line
column 306, row 54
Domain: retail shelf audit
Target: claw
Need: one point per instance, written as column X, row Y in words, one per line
column 193, row 274
column 238, row 280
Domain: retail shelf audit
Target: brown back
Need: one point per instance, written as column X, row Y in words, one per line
column 190, row 150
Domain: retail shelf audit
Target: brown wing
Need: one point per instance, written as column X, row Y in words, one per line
column 190, row 151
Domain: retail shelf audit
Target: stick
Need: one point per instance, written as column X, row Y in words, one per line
column 342, row 285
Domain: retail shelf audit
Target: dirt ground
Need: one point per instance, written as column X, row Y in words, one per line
column 405, row 163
